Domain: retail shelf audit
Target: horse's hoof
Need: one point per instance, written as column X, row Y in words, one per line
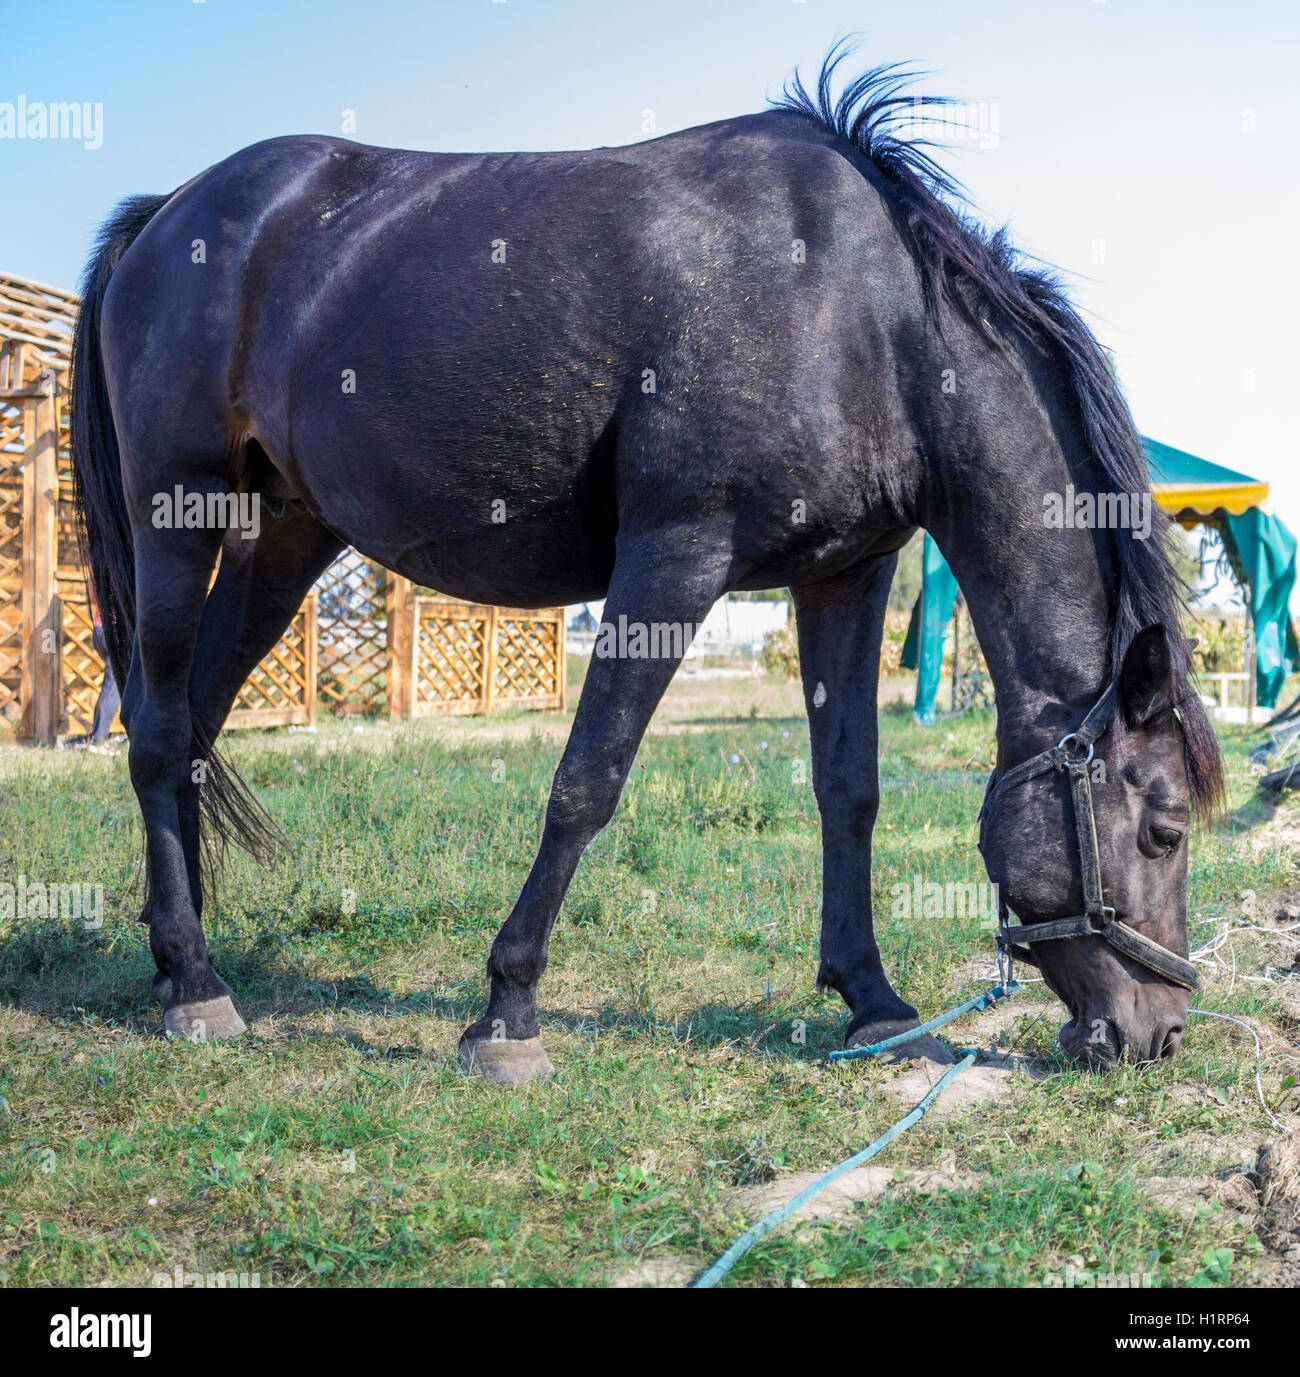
column 511, row 1061
column 205, row 1020
column 915, row 1049
column 162, row 987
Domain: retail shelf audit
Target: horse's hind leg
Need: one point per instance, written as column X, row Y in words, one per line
column 173, row 568
column 840, row 625
column 260, row 586
column 650, row 589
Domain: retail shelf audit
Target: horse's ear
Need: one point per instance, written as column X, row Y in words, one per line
column 1146, row 678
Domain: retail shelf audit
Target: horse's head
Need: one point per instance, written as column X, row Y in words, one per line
column 1125, row 996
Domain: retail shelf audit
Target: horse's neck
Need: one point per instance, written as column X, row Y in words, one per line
column 1037, row 595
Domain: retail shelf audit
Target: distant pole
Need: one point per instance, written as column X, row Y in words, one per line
column 1250, row 672
column 956, row 648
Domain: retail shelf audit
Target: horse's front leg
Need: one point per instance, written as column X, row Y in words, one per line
column 656, row 600
column 840, row 624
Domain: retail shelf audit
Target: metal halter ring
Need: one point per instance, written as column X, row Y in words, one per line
column 1073, row 760
column 1099, row 922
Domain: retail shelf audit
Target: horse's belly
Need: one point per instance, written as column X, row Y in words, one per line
column 532, row 564
column 501, row 513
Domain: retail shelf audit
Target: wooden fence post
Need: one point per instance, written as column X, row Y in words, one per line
column 490, row 661
column 562, row 662
column 309, row 657
column 399, row 606
column 42, row 664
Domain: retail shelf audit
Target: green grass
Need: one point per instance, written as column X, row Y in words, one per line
column 341, row 1143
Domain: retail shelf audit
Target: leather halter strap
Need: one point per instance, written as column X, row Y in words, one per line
column 1073, row 753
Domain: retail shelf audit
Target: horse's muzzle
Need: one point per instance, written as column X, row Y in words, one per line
column 1097, row 1044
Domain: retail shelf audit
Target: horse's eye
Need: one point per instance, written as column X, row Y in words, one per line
column 1165, row 838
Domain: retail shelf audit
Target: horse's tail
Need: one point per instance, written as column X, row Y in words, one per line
column 102, row 519
column 104, row 524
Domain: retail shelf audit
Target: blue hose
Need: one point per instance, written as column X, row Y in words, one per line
column 765, row 1225
column 769, row 1222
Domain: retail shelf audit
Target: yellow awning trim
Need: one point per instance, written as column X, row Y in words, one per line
column 1207, row 498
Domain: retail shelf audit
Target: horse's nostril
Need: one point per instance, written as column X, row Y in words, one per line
column 1172, row 1038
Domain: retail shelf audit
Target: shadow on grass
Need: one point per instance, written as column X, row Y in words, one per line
column 1258, row 810
column 61, row 973
column 56, row 972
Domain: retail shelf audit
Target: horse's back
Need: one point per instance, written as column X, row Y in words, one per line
column 474, row 334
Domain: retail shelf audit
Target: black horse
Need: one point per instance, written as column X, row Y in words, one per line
column 759, row 353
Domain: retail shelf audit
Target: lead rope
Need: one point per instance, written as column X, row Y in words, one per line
column 746, row 1241
column 980, row 1002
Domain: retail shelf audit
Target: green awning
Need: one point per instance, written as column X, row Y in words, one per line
column 1189, row 488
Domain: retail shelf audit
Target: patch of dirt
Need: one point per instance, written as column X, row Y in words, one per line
column 990, row 1079
column 660, row 1271
column 837, row 1204
column 1276, row 1274
column 1277, row 1180
column 1197, row 1153
column 1277, row 1173
column 988, row 1029
column 1289, row 996
column 1266, row 1196
column 991, row 1026
column 1185, row 1196
column 839, row 1199
column 1280, row 826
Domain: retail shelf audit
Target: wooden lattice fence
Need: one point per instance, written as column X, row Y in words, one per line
column 31, row 427
column 364, row 641
column 461, row 657
column 352, row 631
column 528, row 667
column 451, row 655
column 281, row 691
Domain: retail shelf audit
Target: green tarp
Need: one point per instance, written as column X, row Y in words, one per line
column 1262, row 553
column 923, row 649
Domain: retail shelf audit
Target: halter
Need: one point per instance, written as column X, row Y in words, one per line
column 1073, row 752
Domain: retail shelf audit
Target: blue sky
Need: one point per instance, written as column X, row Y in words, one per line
column 1149, row 149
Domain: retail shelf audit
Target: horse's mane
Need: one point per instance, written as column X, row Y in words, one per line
column 979, row 274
